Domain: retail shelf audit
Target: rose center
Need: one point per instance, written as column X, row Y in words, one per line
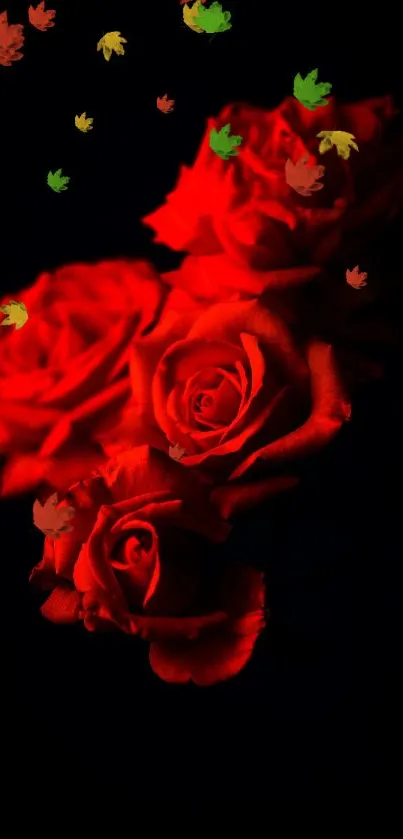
column 215, row 399
column 133, row 563
column 203, row 400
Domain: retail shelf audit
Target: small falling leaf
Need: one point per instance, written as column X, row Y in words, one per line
column 164, row 104
column 309, row 93
column 11, row 41
column 343, row 141
column 223, row 144
column 303, row 178
column 83, row 123
column 57, row 181
column 176, row 452
column 51, row 519
column 213, row 19
column 40, row 18
column 111, row 42
column 355, row 279
column 189, row 14
column 16, row 312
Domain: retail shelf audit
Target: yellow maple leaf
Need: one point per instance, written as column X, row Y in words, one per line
column 189, row 13
column 83, row 123
column 343, row 141
column 16, row 312
column 111, row 42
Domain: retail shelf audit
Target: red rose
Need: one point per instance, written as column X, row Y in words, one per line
column 244, row 208
column 137, row 560
column 227, row 385
column 64, row 374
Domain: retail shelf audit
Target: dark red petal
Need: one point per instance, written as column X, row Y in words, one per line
column 25, row 471
column 219, row 278
column 232, row 498
column 330, row 409
column 62, row 605
column 211, row 659
column 219, row 651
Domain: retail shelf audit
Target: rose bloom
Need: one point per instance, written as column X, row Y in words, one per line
column 244, row 208
column 65, row 373
column 225, row 388
column 137, row 560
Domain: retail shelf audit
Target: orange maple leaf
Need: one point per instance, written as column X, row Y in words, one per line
column 40, row 18
column 356, row 279
column 11, row 39
column 164, row 104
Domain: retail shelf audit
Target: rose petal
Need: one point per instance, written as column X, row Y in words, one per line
column 92, row 569
column 220, row 653
column 95, row 364
column 59, row 373
column 177, row 628
column 217, row 277
column 25, row 422
column 227, row 321
column 184, row 218
column 330, row 409
column 81, row 419
column 44, row 573
column 232, row 499
column 62, row 605
column 137, row 472
column 24, row 472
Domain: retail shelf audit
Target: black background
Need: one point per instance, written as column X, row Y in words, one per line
column 315, row 713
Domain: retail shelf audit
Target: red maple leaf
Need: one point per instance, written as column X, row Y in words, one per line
column 303, row 178
column 40, row 18
column 355, row 278
column 164, row 104
column 11, row 39
column 51, row 519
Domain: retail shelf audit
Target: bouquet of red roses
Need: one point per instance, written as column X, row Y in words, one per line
column 160, row 407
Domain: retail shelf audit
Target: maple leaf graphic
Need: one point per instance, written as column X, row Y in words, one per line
column 189, row 14
column 310, row 92
column 111, row 42
column 51, row 519
column 355, row 279
column 16, row 312
column 11, row 41
column 176, row 452
column 223, row 143
column 164, row 104
column 40, row 18
column 213, row 19
column 342, row 140
column 83, row 123
column 57, row 181
column 302, row 178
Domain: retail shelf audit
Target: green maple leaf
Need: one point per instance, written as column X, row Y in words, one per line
column 222, row 144
column 309, row 93
column 213, row 19
column 57, row 181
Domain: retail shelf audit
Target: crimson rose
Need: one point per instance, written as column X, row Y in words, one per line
column 226, row 388
column 245, row 209
column 65, row 374
column 137, row 560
